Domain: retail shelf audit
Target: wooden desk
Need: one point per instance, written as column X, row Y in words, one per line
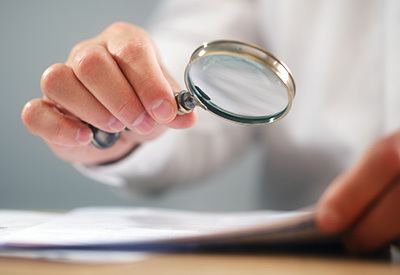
column 193, row 264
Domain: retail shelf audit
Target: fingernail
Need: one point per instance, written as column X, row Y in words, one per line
column 84, row 136
column 115, row 125
column 163, row 110
column 144, row 124
column 329, row 219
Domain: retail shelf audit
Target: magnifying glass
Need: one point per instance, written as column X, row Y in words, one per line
column 234, row 80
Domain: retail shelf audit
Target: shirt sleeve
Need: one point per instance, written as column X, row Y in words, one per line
column 180, row 156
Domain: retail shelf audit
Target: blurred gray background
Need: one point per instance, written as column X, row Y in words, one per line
column 36, row 34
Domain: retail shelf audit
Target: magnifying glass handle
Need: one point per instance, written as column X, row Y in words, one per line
column 103, row 140
column 186, row 102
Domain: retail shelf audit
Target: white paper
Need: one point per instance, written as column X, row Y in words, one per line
column 111, row 226
column 12, row 221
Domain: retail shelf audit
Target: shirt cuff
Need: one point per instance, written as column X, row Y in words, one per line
column 147, row 160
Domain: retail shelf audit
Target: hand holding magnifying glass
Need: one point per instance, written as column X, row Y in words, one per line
column 233, row 80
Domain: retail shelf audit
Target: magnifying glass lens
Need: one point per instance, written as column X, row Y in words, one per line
column 240, row 82
column 238, row 85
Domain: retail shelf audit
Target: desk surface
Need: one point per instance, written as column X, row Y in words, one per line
column 209, row 264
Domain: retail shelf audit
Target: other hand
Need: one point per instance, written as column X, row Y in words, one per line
column 364, row 202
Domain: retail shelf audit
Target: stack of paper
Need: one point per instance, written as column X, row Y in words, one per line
column 146, row 229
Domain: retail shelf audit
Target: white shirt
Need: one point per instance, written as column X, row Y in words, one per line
column 345, row 58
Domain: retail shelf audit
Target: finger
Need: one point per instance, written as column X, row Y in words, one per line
column 137, row 58
column 99, row 73
column 60, row 85
column 183, row 121
column 351, row 194
column 44, row 120
column 379, row 226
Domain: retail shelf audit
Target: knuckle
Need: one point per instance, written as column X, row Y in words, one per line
column 57, row 135
column 140, row 32
column 53, row 77
column 119, row 26
column 152, row 84
column 132, row 50
column 124, row 28
column 127, row 109
column 78, row 48
column 88, row 59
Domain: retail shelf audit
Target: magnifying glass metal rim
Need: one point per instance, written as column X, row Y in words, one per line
column 247, row 51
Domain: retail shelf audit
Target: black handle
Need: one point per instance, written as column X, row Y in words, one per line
column 102, row 139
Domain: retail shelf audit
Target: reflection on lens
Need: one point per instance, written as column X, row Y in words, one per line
column 239, row 85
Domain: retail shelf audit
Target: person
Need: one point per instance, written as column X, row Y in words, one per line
column 343, row 129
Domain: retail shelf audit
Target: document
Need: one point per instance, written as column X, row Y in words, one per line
column 151, row 229
column 12, row 221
